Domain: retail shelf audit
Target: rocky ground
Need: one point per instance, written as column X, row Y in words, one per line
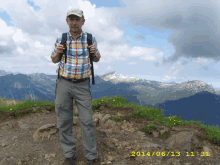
column 33, row 139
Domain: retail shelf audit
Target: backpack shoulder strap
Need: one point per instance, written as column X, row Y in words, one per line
column 63, row 42
column 64, row 38
column 89, row 41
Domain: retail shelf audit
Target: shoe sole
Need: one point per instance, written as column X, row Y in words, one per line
column 76, row 156
column 96, row 161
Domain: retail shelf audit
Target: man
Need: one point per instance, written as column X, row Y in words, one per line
column 74, row 83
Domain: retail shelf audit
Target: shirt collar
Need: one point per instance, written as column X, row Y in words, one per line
column 78, row 36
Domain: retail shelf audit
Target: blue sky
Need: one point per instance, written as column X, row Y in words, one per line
column 157, row 40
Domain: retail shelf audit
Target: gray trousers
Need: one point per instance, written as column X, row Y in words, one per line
column 65, row 93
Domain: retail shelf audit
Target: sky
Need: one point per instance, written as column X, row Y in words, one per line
column 162, row 40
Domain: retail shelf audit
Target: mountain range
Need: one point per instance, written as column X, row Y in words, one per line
column 193, row 100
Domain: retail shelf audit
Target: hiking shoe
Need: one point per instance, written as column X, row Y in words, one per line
column 70, row 161
column 94, row 161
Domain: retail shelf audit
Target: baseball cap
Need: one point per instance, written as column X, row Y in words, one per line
column 76, row 12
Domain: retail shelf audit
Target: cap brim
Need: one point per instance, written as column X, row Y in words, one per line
column 75, row 14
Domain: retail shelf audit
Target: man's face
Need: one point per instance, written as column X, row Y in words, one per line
column 75, row 23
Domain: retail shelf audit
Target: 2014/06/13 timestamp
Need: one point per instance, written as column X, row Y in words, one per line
column 169, row 154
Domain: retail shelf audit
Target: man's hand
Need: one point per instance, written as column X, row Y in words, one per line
column 59, row 48
column 92, row 49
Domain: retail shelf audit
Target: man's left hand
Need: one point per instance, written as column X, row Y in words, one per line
column 92, row 49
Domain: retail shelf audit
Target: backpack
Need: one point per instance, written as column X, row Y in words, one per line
column 89, row 41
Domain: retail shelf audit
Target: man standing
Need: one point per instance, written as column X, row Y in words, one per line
column 74, row 83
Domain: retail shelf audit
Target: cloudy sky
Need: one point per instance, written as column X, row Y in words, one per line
column 162, row 40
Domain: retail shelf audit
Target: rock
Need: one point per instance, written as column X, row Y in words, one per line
column 45, row 131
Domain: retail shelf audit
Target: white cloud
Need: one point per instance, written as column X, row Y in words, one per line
column 20, row 50
column 49, row 22
column 193, row 25
column 38, row 45
column 3, row 43
column 18, row 36
column 5, row 30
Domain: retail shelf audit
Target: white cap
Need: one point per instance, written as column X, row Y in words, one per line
column 76, row 12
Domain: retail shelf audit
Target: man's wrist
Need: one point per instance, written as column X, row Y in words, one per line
column 98, row 56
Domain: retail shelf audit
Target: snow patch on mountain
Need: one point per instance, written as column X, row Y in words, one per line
column 117, row 78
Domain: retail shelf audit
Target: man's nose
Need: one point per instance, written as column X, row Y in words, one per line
column 73, row 22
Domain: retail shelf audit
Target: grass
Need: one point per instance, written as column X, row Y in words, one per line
column 150, row 113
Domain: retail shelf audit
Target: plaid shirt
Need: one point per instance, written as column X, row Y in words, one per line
column 78, row 62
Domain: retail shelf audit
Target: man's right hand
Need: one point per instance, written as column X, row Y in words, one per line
column 59, row 49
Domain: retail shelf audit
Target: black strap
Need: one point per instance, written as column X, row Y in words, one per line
column 89, row 41
column 63, row 42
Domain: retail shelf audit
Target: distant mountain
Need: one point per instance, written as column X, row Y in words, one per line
column 150, row 88
column 20, row 87
column 156, row 92
column 217, row 89
column 148, row 91
column 40, row 86
column 203, row 106
column 3, row 73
